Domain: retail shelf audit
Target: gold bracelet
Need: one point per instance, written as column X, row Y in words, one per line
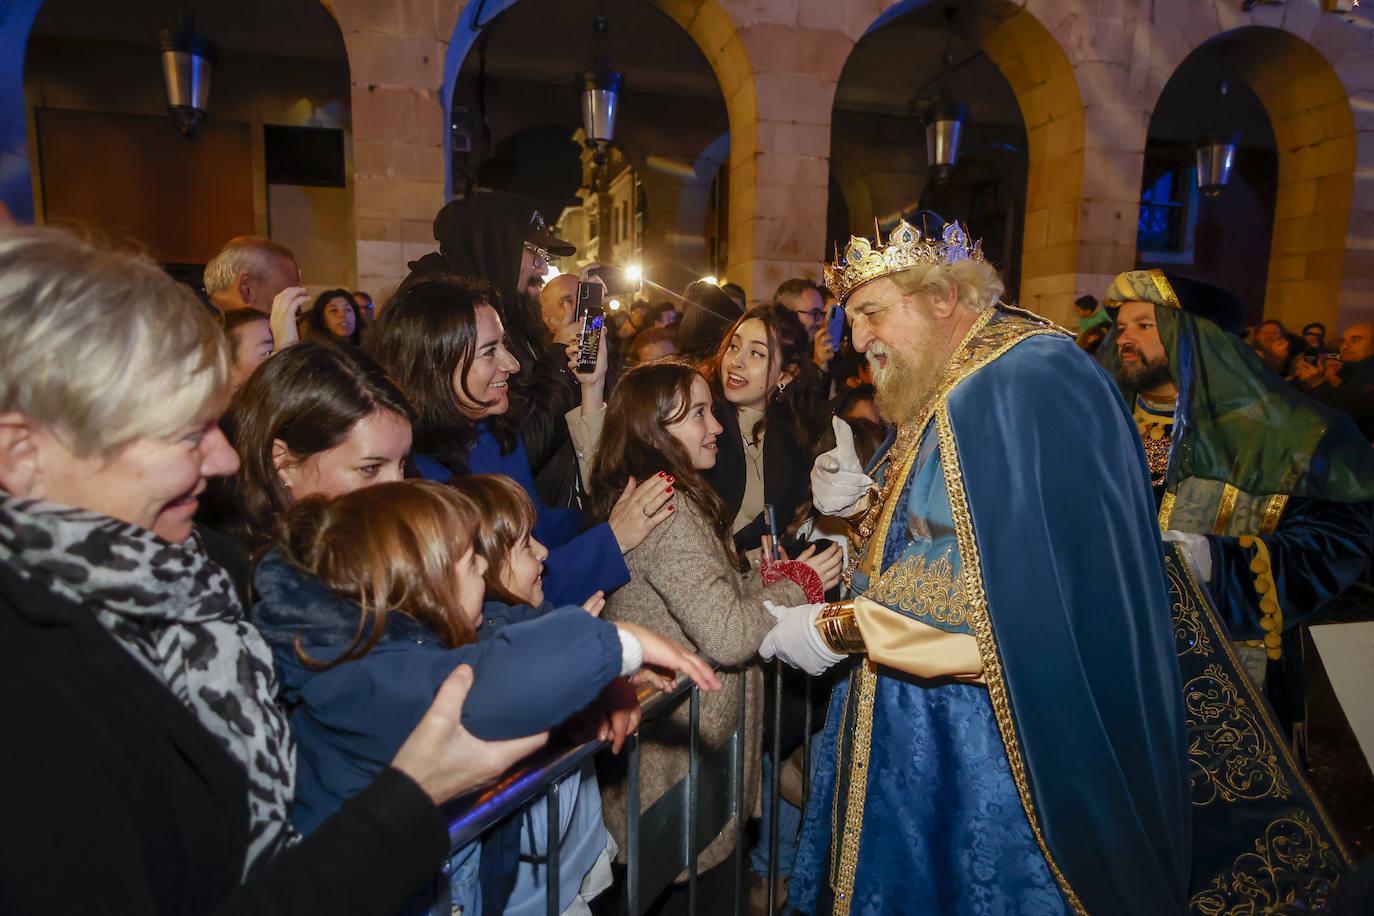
column 838, row 628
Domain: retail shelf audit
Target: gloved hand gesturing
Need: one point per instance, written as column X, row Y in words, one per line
column 838, row 481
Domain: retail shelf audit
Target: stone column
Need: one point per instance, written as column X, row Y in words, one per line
column 396, row 65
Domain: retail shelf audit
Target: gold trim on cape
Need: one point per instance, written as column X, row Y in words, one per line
column 848, row 859
column 987, row 643
column 1252, row 694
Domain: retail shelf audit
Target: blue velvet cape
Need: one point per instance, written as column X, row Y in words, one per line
column 1063, row 581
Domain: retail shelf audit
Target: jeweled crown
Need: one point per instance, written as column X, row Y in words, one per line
column 906, row 247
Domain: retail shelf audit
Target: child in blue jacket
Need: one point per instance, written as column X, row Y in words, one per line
column 369, row 601
column 515, row 584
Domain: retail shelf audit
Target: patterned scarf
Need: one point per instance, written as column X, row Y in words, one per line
column 176, row 612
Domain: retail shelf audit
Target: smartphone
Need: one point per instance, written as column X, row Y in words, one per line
column 834, row 324
column 770, row 536
column 591, row 316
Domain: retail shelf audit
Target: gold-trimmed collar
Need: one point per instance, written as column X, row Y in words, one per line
column 985, row 341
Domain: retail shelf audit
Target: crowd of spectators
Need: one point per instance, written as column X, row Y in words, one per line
column 408, row 548
column 363, row 515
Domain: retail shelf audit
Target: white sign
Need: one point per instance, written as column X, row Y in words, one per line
column 1347, row 651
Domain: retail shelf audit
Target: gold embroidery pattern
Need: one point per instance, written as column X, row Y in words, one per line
column 922, row 590
column 1190, row 636
column 1229, row 495
column 1156, row 436
column 987, row 644
column 1218, row 717
column 1272, row 513
column 858, row 789
column 1251, row 694
column 1290, row 868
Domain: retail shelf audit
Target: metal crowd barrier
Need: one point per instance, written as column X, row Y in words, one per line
column 666, row 838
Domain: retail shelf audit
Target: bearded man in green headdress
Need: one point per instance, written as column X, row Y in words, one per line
column 1268, row 492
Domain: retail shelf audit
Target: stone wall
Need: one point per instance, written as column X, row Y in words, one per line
column 1086, row 75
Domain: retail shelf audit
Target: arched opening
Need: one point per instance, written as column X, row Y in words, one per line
column 1019, row 178
column 650, row 204
column 274, row 156
column 1276, row 234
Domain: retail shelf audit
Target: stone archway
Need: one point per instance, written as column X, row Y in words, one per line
column 91, row 81
column 405, row 59
column 1314, row 130
column 1043, row 81
column 1311, row 71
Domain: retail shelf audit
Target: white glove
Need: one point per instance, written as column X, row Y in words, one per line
column 1197, row 550
column 794, row 639
column 838, row 481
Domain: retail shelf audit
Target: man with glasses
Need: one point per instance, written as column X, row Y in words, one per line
column 804, row 298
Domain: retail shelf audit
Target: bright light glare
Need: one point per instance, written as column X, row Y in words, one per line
column 633, row 273
column 614, row 305
column 551, row 273
column 711, row 280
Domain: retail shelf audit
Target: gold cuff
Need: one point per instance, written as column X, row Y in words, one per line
column 838, row 628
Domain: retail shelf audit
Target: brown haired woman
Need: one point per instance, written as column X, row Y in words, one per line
column 765, row 384
column 684, row 578
column 370, row 600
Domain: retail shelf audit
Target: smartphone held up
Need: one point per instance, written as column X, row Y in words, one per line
column 591, row 316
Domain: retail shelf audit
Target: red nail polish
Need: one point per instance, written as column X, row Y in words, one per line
column 670, row 477
column 671, row 508
column 669, row 490
column 660, row 474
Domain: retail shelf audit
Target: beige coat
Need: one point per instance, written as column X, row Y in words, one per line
column 683, row 585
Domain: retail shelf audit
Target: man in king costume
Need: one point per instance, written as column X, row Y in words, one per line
column 1267, row 491
column 1012, row 737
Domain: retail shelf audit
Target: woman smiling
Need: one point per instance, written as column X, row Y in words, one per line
column 685, row 578
column 141, row 711
column 766, row 385
column 443, row 343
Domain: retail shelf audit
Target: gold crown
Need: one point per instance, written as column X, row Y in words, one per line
column 906, row 247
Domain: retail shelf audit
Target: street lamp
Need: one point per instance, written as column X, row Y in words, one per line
column 600, row 86
column 944, row 128
column 1216, row 151
column 944, row 119
column 1216, row 148
column 188, row 59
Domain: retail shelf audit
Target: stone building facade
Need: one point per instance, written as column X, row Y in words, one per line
column 1086, row 76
